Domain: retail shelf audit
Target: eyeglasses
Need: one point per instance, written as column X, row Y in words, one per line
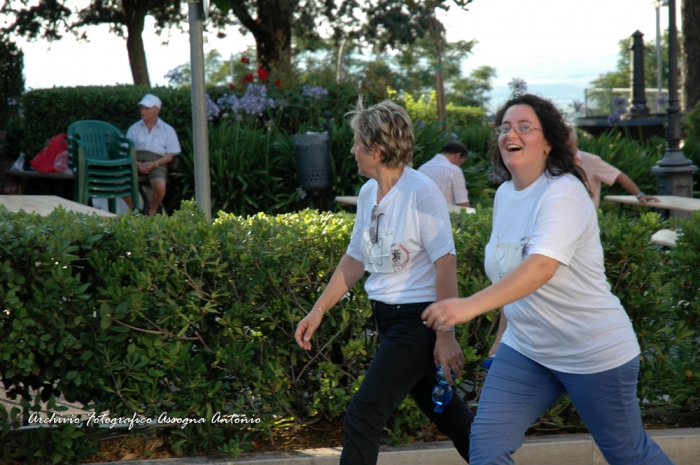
column 518, row 128
column 374, row 226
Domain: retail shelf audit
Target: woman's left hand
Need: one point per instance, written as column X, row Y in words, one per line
column 446, row 313
column 448, row 353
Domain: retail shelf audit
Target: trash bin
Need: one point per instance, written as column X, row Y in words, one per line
column 313, row 161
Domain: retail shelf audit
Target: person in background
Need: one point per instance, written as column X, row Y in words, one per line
column 156, row 144
column 598, row 171
column 403, row 237
column 444, row 169
column 562, row 329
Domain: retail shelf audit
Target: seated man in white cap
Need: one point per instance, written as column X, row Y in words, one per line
column 156, row 144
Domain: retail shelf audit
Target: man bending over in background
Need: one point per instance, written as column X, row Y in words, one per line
column 444, row 169
column 598, row 171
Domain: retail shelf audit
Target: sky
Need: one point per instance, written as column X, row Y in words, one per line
column 556, row 46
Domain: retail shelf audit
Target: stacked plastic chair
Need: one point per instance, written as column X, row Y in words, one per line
column 104, row 162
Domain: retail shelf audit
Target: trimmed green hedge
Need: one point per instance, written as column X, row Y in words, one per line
column 50, row 111
column 153, row 315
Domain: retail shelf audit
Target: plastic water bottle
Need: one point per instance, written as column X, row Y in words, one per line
column 442, row 392
column 487, row 363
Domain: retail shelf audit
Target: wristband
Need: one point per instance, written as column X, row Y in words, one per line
column 448, row 330
column 640, row 195
column 156, row 163
column 320, row 310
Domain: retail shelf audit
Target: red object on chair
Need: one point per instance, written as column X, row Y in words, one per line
column 46, row 160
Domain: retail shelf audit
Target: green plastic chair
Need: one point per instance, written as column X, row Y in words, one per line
column 104, row 162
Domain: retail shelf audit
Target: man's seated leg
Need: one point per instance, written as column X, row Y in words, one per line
column 158, row 185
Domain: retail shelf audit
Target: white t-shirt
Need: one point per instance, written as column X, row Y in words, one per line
column 573, row 323
column 597, row 171
column 161, row 140
column 448, row 177
column 414, row 230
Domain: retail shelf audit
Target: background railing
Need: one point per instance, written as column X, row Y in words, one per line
column 603, row 101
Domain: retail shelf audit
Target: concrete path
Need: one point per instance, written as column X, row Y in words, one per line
column 682, row 445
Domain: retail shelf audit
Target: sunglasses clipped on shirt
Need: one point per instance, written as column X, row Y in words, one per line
column 374, row 225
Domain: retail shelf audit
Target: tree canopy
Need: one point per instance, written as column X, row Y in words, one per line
column 50, row 19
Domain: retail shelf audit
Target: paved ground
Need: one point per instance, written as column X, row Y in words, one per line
column 682, row 445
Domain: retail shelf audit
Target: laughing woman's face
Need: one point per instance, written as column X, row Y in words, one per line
column 522, row 144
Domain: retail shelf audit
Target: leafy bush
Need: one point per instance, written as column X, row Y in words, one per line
column 153, row 315
column 248, row 170
column 424, row 109
column 11, row 80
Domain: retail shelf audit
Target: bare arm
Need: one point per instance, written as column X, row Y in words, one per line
column 534, row 272
column 630, row 186
column 447, row 351
column 345, row 276
column 464, row 204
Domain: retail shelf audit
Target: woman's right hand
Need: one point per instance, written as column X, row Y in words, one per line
column 307, row 327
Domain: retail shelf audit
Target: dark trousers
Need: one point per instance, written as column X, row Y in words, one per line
column 402, row 365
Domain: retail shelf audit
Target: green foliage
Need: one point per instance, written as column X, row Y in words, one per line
column 691, row 147
column 153, row 315
column 686, row 306
column 424, row 109
column 249, row 169
column 11, row 80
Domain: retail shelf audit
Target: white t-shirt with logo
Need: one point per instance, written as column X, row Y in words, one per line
column 573, row 323
column 414, row 230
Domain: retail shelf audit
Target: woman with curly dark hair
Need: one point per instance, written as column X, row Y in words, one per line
column 562, row 329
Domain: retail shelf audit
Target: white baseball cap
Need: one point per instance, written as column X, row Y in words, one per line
column 150, row 100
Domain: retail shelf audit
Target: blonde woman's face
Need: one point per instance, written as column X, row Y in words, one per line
column 365, row 158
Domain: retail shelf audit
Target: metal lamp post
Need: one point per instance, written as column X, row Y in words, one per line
column 674, row 171
column 200, row 131
column 659, row 79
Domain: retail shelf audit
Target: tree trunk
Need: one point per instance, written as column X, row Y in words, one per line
column 435, row 31
column 272, row 29
column 690, row 17
column 273, row 39
column 135, row 16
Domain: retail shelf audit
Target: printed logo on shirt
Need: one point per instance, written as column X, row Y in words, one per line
column 399, row 256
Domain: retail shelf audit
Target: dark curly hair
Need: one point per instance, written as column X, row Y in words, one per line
column 556, row 132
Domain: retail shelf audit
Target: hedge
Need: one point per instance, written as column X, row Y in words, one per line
column 50, row 111
column 172, row 315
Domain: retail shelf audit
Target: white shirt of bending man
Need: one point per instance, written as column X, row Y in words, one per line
column 444, row 169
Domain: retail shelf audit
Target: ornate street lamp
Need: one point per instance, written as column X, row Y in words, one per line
column 674, row 170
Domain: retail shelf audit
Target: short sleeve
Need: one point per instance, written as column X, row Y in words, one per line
column 561, row 221
column 172, row 144
column 435, row 226
column 605, row 172
column 363, row 202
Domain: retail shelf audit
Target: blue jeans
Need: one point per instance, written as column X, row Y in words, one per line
column 402, row 365
column 519, row 390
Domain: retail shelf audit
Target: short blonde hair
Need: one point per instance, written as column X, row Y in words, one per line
column 389, row 126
